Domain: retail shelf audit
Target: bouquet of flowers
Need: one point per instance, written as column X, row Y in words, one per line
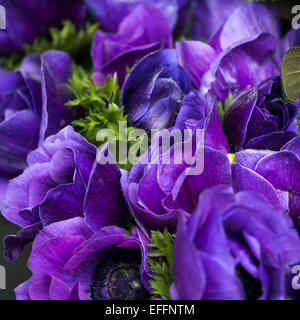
column 150, row 149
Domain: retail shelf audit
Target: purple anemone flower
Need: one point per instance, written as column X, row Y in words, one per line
column 200, row 19
column 275, row 175
column 71, row 262
column 154, row 89
column 233, row 246
column 110, row 13
column 28, row 19
column 63, row 180
column 157, row 191
column 143, row 31
column 33, row 107
column 259, row 118
column 242, row 53
column 244, row 23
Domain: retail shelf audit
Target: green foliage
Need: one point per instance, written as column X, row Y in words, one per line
column 290, row 74
column 160, row 261
column 12, row 62
column 87, row 93
column 98, row 107
column 68, row 39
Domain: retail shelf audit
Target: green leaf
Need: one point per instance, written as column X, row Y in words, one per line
column 11, row 63
column 98, row 107
column 67, row 38
column 290, row 74
column 87, row 92
column 160, row 260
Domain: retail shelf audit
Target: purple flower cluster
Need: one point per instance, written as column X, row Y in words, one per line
column 32, row 108
column 234, row 224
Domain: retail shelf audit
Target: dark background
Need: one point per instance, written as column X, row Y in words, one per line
column 285, row 12
column 17, row 271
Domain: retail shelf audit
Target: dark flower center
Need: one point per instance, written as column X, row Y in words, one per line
column 118, row 279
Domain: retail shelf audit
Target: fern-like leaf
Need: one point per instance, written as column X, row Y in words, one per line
column 160, row 260
column 99, row 109
column 67, row 38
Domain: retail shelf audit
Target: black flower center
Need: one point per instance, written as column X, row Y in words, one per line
column 118, row 279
